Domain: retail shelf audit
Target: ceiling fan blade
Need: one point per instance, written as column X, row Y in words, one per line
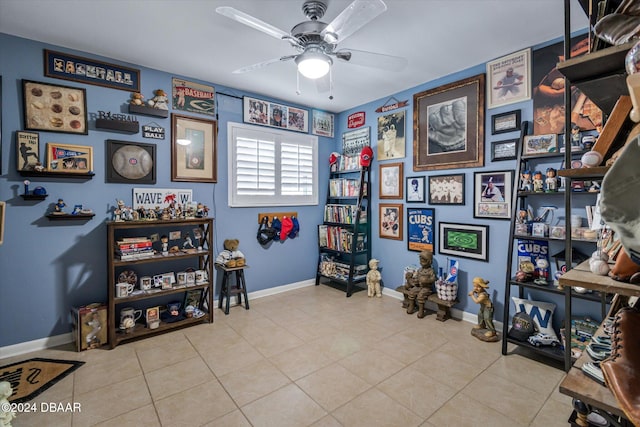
column 350, row 20
column 372, row 59
column 252, row 22
column 262, row 64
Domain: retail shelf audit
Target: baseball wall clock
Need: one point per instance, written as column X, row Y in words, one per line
column 129, row 162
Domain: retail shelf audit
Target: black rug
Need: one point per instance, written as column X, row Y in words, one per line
column 31, row 377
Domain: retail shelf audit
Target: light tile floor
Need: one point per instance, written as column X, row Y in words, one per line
column 308, row 357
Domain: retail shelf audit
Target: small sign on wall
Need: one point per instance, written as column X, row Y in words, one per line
column 153, row 131
column 151, row 197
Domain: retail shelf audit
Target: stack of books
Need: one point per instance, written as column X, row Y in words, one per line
column 131, row 248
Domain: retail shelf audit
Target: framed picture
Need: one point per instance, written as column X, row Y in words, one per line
column 89, row 71
column 505, row 122
column 421, row 225
column 390, row 221
column 391, row 131
column 260, row 112
column 131, row 162
column 193, row 297
column 54, row 108
column 446, row 189
column 448, row 126
column 193, row 149
column 27, row 149
column 391, row 179
column 193, row 97
column 322, row 123
column 354, row 141
column 540, row 144
column 509, row 79
column 69, row 158
column 152, row 314
column 415, row 189
column 504, row 150
column 492, row 194
column 464, row 240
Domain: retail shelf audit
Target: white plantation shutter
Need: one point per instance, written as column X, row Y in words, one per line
column 270, row 167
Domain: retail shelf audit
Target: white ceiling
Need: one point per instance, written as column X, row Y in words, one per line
column 187, row 37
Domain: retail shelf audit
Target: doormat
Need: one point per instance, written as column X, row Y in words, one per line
column 31, row 377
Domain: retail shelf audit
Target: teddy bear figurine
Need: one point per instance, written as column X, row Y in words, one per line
column 160, row 100
column 136, row 99
column 231, row 256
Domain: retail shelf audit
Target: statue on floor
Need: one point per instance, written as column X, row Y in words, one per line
column 6, row 414
column 420, row 285
column 484, row 330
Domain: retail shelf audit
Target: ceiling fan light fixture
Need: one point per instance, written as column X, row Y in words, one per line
column 313, row 65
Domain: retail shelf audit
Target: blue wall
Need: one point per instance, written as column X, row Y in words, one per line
column 47, row 267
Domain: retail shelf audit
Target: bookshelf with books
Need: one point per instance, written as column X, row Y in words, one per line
column 345, row 234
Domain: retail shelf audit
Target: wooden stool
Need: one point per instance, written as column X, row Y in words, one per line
column 227, row 290
column 444, row 307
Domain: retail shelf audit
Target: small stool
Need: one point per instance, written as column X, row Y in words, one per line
column 444, row 307
column 227, row 290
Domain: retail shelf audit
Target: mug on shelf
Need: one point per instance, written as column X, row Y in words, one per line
column 123, row 289
column 128, row 317
column 201, row 277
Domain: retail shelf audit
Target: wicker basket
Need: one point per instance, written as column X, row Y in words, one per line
column 446, row 291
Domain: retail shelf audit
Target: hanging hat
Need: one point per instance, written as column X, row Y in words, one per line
column 287, row 226
column 333, row 158
column 277, row 226
column 296, row 227
column 366, row 156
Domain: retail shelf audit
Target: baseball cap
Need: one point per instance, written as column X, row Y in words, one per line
column 521, row 326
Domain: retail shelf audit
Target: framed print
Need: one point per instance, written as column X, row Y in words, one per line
column 391, row 130
column 130, row 162
column 504, row 150
column 492, row 194
column 464, row 240
column 448, row 126
column 509, row 79
column 391, row 179
column 540, row 144
column 89, row 71
column 421, row 224
column 354, row 141
column 28, row 150
column 54, row 108
column 193, row 149
column 260, row 112
column 193, row 297
column 446, row 189
column 415, row 189
column 390, row 221
column 322, row 123
column 193, row 97
column 505, row 122
column 69, row 158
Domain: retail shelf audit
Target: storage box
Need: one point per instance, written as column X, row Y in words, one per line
column 89, row 326
column 539, row 229
column 558, row 232
column 522, row 229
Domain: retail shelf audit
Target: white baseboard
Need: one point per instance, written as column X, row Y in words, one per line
column 57, row 340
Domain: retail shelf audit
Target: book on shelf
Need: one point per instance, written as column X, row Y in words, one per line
column 128, row 256
column 134, row 245
column 132, row 239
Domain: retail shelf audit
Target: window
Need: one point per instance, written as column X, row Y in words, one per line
column 269, row 167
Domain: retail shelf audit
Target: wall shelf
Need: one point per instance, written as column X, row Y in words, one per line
column 49, row 174
column 148, row 111
column 67, row 217
column 34, row 196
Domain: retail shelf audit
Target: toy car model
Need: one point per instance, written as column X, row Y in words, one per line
column 543, row 339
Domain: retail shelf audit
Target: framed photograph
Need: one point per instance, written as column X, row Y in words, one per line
column 322, row 123
column 421, row 225
column 130, row 162
column 448, row 126
column 391, row 131
column 28, row 150
column 354, row 141
column 505, row 122
column 152, row 314
column 492, row 194
column 391, row 179
column 390, row 221
column 504, row 150
column 194, row 150
column 415, row 189
column 193, row 297
column 446, row 189
column 54, row 108
column 69, row 158
column 260, row 112
column 175, row 235
column 509, row 79
column 89, row 71
column 540, row 144
column 464, row 240
column 193, row 97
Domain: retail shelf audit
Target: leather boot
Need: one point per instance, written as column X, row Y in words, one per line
column 622, row 369
column 621, row 26
column 421, row 311
column 412, row 306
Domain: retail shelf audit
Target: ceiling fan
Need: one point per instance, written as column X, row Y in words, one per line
column 317, row 42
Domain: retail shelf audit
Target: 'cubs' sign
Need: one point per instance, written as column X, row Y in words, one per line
column 421, row 229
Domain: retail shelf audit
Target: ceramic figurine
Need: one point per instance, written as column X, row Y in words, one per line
column 6, row 414
column 373, row 279
column 160, row 100
column 551, row 182
column 484, row 330
column 59, row 207
column 525, row 180
column 165, row 245
column 542, row 271
column 117, row 212
column 538, row 182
